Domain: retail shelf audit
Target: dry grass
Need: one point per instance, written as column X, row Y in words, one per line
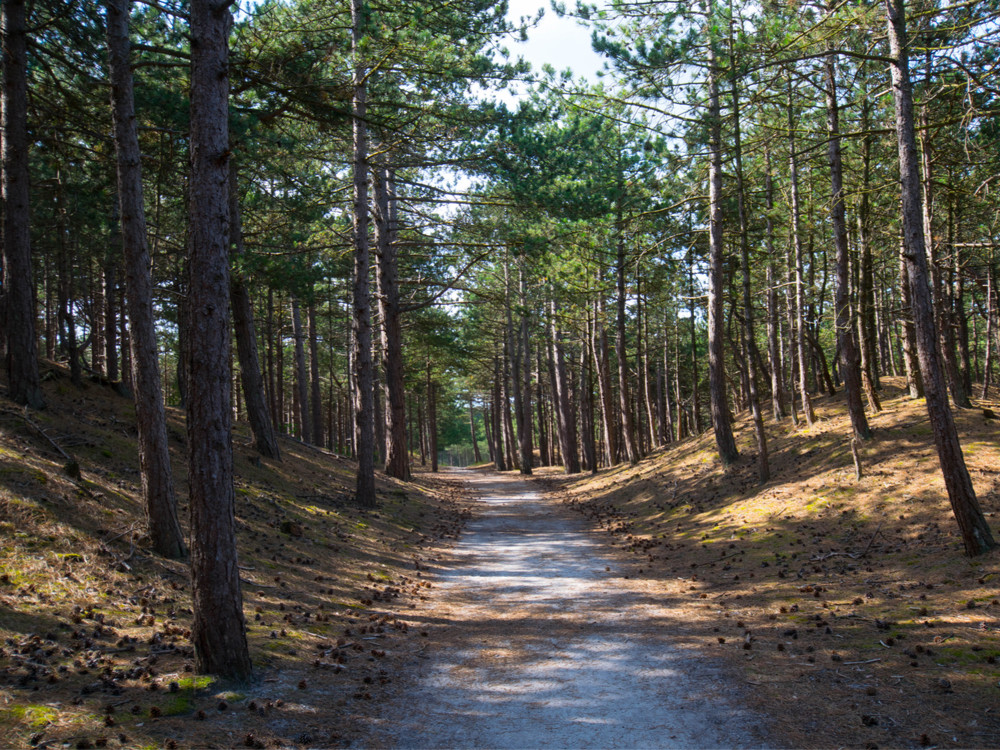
column 94, row 648
column 846, row 604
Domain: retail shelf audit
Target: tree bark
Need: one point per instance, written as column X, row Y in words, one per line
column 265, row 442
column 498, row 453
column 397, row 463
column 563, row 408
column 773, row 322
column 763, row 465
column 218, row 630
column 721, row 424
column 301, row 376
column 477, row 456
column 151, row 422
column 624, row 395
column 914, row 379
column 866, row 292
column 432, row 437
column 800, row 332
column 522, row 372
column 850, row 358
column 315, row 397
column 976, row 534
column 364, row 395
column 602, row 359
column 18, row 305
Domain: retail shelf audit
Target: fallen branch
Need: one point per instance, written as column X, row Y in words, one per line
column 867, row 661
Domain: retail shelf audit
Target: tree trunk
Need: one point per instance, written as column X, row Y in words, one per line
column 721, row 424
column 763, row 465
column 914, row 379
column 602, row 358
column 432, row 437
column 523, row 372
column 942, row 316
column 624, row 395
column 587, row 409
column 800, row 333
column 515, row 350
column 151, row 423
column 315, row 399
column 498, row 453
column 850, row 358
column 17, row 306
column 364, row 395
column 301, row 376
column 543, row 433
column 509, row 438
column 265, row 442
column 110, row 282
column 397, row 462
column 477, row 456
column 866, row 292
column 976, row 534
column 218, row 630
column 560, row 390
column 773, row 322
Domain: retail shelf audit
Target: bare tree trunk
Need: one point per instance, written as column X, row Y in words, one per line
column 991, row 315
column 942, row 317
column 763, row 465
column 515, row 353
column 110, row 319
column 364, row 395
column 543, row 435
column 523, row 372
column 914, row 379
column 587, row 409
column 850, row 358
column 397, row 463
column 560, row 390
column 800, row 333
column 866, row 292
column 773, row 323
column 315, row 399
column 509, row 439
column 432, row 430
column 17, row 305
column 498, row 455
column 265, row 442
column 301, row 376
column 151, row 423
column 721, row 424
column 666, row 413
column 477, row 456
column 218, row 630
column 601, row 357
column 976, row 534
column 624, row 395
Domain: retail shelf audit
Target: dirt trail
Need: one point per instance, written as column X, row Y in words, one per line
column 545, row 645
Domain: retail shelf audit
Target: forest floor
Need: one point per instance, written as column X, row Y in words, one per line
column 846, row 605
column 841, row 610
column 94, row 647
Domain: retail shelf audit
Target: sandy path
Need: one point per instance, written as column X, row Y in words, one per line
column 546, row 646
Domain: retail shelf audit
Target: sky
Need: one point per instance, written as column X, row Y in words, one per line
column 559, row 41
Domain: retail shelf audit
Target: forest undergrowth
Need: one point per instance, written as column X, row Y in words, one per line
column 847, row 606
column 94, row 648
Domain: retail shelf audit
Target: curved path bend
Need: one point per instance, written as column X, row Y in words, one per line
column 547, row 646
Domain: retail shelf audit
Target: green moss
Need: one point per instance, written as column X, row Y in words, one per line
column 180, row 704
column 196, row 682
column 34, row 715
